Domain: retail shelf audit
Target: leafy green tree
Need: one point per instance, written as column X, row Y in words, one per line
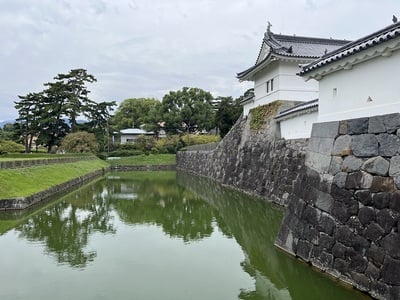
column 80, row 142
column 135, row 112
column 76, row 94
column 52, row 114
column 227, row 114
column 188, row 110
column 29, row 108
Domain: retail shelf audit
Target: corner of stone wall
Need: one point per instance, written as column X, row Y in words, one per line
column 344, row 215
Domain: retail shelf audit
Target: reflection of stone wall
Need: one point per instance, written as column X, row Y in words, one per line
column 344, row 215
column 250, row 160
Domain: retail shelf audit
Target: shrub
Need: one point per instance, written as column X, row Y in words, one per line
column 10, row 147
column 80, row 142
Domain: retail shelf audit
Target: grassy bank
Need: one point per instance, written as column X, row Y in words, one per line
column 151, row 159
column 28, row 181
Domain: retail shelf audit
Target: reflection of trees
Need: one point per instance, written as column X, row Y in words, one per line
column 162, row 202
column 66, row 227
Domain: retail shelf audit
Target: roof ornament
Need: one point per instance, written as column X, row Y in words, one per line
column 269, row 27
column 394, row 19
column 326, row 51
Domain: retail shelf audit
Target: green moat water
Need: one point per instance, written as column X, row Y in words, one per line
column 148, row 235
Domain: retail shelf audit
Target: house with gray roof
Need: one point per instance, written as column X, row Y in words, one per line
column 360, row 79
column 130, row 135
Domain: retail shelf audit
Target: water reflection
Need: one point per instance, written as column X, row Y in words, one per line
column 190, row 211
column 160, row 201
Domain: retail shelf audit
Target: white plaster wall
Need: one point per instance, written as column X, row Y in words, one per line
column 298, row 127
column 377, row 78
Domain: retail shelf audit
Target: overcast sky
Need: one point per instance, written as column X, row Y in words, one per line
column 146, row 48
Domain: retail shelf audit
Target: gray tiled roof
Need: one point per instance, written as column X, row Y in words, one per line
column 302, row 107
column 359, row 45
column 293, row 47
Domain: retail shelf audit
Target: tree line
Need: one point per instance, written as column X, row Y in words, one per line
column 53, row 113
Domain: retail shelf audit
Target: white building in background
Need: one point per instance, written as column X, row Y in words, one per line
column 360, row 79
column 129, row 135
column 274, row 73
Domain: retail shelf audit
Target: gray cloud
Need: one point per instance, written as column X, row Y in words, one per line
column 139, row 48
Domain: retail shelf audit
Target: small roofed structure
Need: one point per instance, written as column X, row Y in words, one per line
column 274, row 73
column 129, row 135
column 296, row 122
column 359, row 79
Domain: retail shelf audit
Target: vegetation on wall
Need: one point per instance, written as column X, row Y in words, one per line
column 262, row 115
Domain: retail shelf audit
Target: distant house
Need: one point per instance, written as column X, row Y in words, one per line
column 274, row 73
column 129, row 135
column 360, row 79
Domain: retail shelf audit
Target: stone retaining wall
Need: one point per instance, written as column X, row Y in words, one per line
column 250, row 160
column 344, row 214
column 15, row 164
column 25, row 202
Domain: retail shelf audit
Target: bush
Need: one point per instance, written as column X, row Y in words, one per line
column 80, row 142
column 10, row 147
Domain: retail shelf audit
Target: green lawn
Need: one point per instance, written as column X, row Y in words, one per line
column 151, row 159
column 27, row 181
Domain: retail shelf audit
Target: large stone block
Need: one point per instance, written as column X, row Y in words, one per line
column 326, row 224
column 394, row 169
column 357, row 126
column 365, row 145
column 336, row 165
column 394, row 202
column 376, row 165
column 364, row 196
column 389, row 144
column 358, row 263
column 324, row 202
column 344, row 235
column 392, row 122
column 311, row 215
column 326, row 129
column 374, row 232
column 361, row 281
column 387, row 219
column 341, row 266
column 390, row 272
column 376, row 255
column 352, row 164
column 340, row 179
column 382, row 184
column 304, row 249
column 340, row 212
column 372, row 271
column 318, row 162
column 326, row 241
column 366, row 215
column 391, row 244
column 376, row 125
column 381, row 200
column 342, row 146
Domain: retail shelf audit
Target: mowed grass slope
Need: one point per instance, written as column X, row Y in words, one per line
column 27, row 181
column 151, row 159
